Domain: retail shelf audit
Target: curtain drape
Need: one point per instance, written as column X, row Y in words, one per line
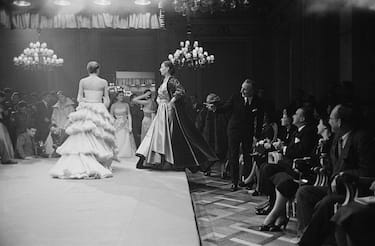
column 101, row 20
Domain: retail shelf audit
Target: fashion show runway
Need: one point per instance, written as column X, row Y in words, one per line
column 135, row 207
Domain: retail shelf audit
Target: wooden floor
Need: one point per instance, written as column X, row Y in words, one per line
column 228, row 218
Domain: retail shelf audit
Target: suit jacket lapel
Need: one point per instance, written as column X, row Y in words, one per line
column 345, row 150
column 334, row 152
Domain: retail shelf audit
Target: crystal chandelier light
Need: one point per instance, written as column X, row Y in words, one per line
column 186, row 7
column 191, row 56
column 38, row 57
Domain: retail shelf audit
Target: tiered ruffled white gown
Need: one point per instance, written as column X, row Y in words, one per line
column 90, row 147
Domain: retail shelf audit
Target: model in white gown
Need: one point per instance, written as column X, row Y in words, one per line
column 148, row 108
column 90, row 147
column 123, row 125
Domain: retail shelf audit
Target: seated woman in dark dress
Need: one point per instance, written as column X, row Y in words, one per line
column 259, row 157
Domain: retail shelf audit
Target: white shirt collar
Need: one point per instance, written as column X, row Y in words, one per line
column 248, row 100
column 300, row 128
column 344, row 138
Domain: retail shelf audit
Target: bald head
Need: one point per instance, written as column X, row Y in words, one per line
column 342, row 118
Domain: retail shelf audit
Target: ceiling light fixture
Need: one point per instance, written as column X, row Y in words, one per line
column 188, row 7
column 62, row 2
column 191, row 56
column 37, row 56
column 142, row 2
column 22, row 3
column 102, row 2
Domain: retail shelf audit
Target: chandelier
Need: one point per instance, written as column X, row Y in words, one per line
column 38, row 57
column 186, row 7
column 191, row 56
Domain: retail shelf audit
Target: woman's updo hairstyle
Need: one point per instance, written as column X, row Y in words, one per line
column 93, row 67
column 171, row 67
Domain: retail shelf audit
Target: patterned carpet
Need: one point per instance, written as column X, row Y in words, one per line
column 228, row 218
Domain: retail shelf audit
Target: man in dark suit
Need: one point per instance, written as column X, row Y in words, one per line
column 350, row 153
column 245, row 123
column 280, row 176
column 43, row 117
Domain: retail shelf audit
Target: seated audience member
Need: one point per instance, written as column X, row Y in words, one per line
column 278, row 176
column 267, row 134
column 58, row 137
column 26, row 147
column 60, row 115
column 6, row 147
column 287, row 129
column 350, row 153
column 286, row 187
column 354, row 222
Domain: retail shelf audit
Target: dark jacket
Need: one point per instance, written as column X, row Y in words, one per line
column 357, row 156
column 302, row 143
column 43, row 112
column 189, row 147
column 26, row 146
column 244, row 119
column 286, row 135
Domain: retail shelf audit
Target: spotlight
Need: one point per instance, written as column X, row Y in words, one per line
column 102, row 2
column 62, row 2
column 142, row 2
column 22, row 3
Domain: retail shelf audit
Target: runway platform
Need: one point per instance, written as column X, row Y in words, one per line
column 135, row 207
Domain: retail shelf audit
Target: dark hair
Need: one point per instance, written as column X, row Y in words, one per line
column 119, row 92
column 46, row 94
column 16, row 93
column 171, row 67
column 22, row 104
column 308, row 114
column 92, row 67
column 289, row 112
column 251, row 81
column 29, row 126
column 325, row 120
column 7, row 90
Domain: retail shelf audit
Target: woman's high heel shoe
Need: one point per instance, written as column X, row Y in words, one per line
column 248, row 185
column 266, row 227
column 281, row 225
column 264, row 211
